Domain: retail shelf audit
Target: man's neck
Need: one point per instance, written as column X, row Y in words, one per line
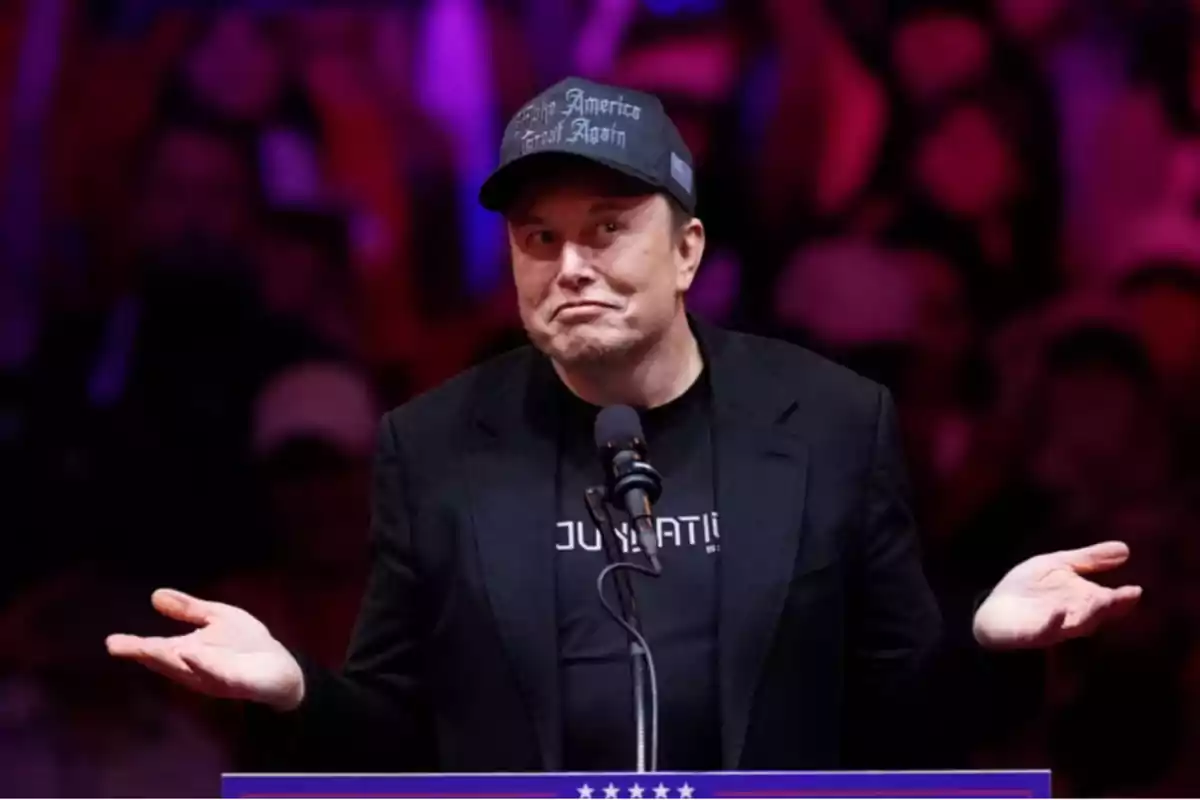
column 646, row 379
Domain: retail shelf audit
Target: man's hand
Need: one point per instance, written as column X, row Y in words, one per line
column 1046, row 600
column 231, row 654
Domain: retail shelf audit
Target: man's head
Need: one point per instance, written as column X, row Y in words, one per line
column 595, row 184
column 236, row 65
column 939, row 46
column 1165, row 297
column 198, row 180
column 1102, row 430
column 967, row 162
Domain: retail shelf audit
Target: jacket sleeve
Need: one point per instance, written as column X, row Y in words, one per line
column 372, row 716
column 894, row 627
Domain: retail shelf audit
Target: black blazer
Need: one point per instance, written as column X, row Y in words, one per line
column 826, row 620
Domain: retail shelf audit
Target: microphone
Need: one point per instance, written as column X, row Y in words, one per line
column 631, row 482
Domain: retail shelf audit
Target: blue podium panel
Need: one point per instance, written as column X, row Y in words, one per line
column 656, row 786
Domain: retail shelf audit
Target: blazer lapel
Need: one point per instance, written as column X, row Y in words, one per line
column 761, row 476
column 511, row 479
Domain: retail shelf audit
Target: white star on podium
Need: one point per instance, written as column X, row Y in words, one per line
column 611, row 791
column 685, row 791
column 661, row 791
column 635, row 792
column 585, row 792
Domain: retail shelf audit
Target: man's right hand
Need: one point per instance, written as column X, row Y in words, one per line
column 230, row 654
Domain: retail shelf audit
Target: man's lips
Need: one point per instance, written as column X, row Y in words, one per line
column 581, row 304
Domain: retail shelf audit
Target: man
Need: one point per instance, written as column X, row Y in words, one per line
column 792, row 614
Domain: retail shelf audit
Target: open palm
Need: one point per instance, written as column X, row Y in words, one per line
column 1046, row 599
column 230, row 654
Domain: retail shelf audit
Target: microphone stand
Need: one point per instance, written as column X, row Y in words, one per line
column 642, row 660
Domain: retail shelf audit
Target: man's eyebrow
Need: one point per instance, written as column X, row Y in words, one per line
column 523, row 217
column 613, row 204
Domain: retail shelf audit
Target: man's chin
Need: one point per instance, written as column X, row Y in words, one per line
column 581, row 349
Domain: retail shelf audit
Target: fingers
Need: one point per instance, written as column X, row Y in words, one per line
column 152, row 652
column 179, row 674
column 199, row 660
column 183, row 607
column 1107, row 602
column 1126, row 595
column 1097, row 557
column 124, row 645
column 174, row 604
column 1122, row 601
column 1086, row 620
column 1102, row 608
column 1052, row 629
column 1057, row 620
column 215, row 674
column 171, row 658
column 145, row 648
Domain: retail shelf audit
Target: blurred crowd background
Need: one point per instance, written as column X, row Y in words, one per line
column 233, row 234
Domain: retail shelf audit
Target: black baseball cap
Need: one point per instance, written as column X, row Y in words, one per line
column 619, row 128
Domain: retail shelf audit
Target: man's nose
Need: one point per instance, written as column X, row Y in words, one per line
column 575, row 267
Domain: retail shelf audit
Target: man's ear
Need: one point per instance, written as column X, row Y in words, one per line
column 689, row 243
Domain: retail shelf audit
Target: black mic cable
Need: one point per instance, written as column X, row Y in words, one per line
column 628, row 619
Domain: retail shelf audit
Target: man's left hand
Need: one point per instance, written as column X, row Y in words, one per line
column 1046, row 600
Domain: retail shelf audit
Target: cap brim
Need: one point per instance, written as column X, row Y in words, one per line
column 504, row 185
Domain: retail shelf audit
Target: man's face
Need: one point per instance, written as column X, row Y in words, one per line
column 599, row 272
column 196, row 185
column 942, row 332
column 937, row 52
column 967, row 165
column 1031, row 20
column 1098, row 428
column 237, row 67
column 1169, row 319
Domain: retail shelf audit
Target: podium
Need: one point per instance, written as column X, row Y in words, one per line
column 645, row 786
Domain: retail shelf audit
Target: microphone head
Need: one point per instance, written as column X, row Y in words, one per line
column 619, row 428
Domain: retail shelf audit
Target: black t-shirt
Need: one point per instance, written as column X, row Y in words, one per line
column 678, row 609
